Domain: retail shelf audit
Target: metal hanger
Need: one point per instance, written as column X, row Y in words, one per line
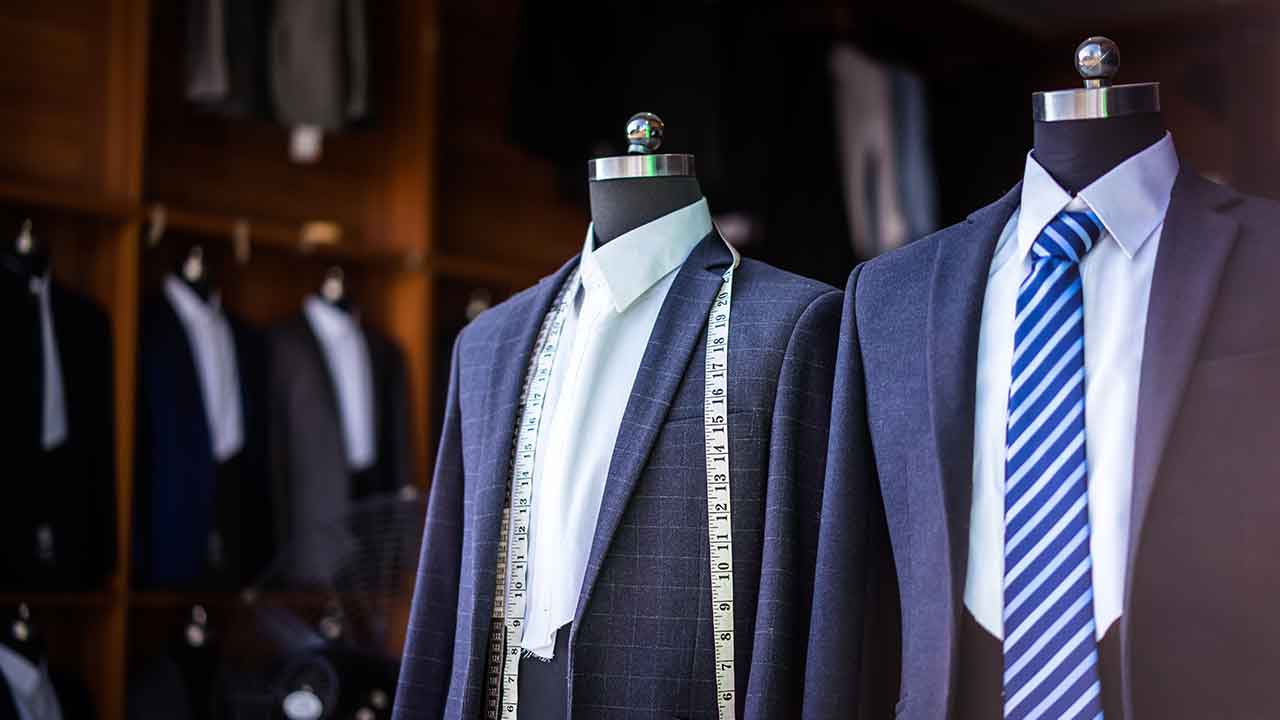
column 644, row 136
column 1098, row 62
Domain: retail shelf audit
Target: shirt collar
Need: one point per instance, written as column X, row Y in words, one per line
column 189, row 303
column 327, row 320
column 39, row 285
column 22, row 675
column 1131, row 199
column 627, row 266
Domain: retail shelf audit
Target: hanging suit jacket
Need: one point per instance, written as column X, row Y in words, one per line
column 183, row 495
column 57, row 522
column 319, row 62
column 311, row 482
column 1199, row 633
column 639, row 648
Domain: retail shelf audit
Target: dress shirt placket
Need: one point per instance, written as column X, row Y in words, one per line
column 565, row 430
column 54, row 410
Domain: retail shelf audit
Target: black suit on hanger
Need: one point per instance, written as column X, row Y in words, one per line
column 183, row 494
column 57, row 522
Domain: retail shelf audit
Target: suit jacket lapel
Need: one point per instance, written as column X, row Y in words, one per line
column 509, row 365
column 955, row 316
column 1194, row 246
column 665, row 364
column 310, row 345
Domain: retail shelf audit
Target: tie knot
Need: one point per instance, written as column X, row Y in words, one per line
column 1068, row 236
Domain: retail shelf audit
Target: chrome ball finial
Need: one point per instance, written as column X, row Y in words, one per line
column 644, row 133
column 1098, row 61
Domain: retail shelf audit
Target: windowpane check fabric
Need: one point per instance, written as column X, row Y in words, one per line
column 1050, row 647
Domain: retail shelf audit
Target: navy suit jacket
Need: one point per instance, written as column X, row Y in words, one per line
column 180, row 494
column 641, row 643
column 1200, row 636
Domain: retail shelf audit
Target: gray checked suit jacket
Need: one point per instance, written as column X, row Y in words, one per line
column 1200, row 633
column 641, row 643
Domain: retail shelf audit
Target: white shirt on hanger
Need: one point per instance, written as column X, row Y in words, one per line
column 1131, row 200
column 214, row 351
column 624, row 283
column 32, row 689
column 347, row 354
column 53, row 413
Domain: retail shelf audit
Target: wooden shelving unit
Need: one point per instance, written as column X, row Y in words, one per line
column 119, row 174
column 98, row 147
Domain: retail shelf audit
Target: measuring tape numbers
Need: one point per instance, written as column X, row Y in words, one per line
column 507, row 626
column 513, row 553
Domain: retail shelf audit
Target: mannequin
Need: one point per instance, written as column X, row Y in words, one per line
column 622, row 204
column 618, row 206
column 1083, row 144
column 1077, row 152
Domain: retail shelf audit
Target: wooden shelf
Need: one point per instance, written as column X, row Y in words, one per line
column 91, row 599
column 66, row 200
column 320, row 238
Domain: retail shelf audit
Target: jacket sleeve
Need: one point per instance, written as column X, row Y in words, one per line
column 833, row 669
column 428, row 654
column 797, row 457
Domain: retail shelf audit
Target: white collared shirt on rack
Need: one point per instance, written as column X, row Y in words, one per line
column 624, row 284
column 30, row 686
column 53, row 412
column 214, row 351
column 1131, row 200
column 347, row 355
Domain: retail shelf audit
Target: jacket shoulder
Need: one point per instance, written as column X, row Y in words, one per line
column 902, row 271
column 783, row 288
column 1256, row 213
column 494, row 320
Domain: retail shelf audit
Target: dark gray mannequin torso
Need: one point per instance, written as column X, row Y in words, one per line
column 619, row 206
column 1077, row 152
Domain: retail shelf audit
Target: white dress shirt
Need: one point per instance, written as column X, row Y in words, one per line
column 343, row 344
column 214, row 350
column 624, row 283
column 53, row 413
column 32, row 689
column 1131, row 200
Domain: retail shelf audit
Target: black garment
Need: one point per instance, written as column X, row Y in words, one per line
column 544, row 684
column 311, row 481
column 240, row 49
column 57, row 523
column 198, row 521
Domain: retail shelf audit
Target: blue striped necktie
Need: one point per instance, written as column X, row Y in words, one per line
column 1050, row 648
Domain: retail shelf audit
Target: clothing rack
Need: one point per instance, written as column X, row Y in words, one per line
column 96, row 171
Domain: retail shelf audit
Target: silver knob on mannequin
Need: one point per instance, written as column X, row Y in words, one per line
column 644, row 133
column 1098, row 61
